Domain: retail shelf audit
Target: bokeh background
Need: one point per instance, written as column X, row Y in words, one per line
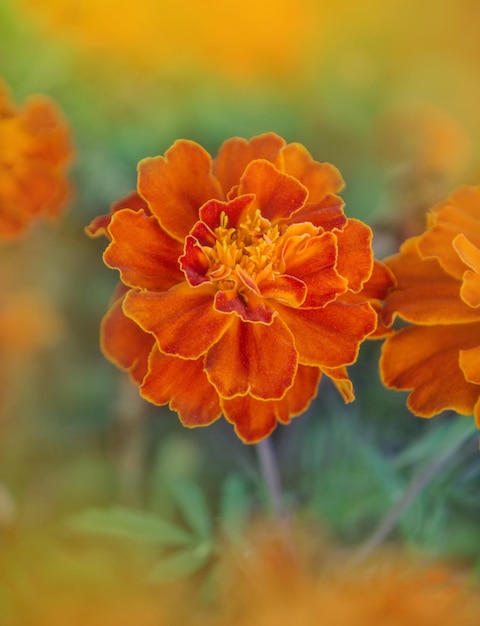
column 386, row 91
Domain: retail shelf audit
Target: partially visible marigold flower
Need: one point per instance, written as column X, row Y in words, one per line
column 437, row 357
column 268, row 587
column 242, row 282
column 35, row 150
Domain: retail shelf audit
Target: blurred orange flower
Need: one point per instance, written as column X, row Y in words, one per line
column 269, row 586
column 35, row 150
column 438, row 292
column 242, row 283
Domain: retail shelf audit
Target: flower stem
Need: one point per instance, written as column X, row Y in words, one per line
column 271, row 476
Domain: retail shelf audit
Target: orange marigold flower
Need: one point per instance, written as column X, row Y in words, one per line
column 438, row 292
column 35, row 150
column 267, row 586
column 242, row 281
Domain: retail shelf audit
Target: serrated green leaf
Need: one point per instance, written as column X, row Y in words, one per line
column 130, row 524
column 193, row 505
column 181, row 564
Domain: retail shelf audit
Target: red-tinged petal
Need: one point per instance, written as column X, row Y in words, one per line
column 425, row 293
column 211, row 212
column 426, row 361
column 145, row 255
column 313, row 260
column 249, row 308
column 329, row 337
column 299, row 396
column 176, row 186
column 131, row 201
column 319, row 178
column 183, row 384
column 182, row 319
column 469, row 362
column 194, row 262
column 342, row 382
column 255, row 419
column 252, row 419
column 235, row 154
column 99, row 226
column 284, row 288
column 327, row 214
column 278, row 195
column 124, row 343
column 355, row 255
column 253, row 358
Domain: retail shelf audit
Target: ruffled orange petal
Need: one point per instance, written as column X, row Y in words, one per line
column 211, row 215
column 313, row 260
column 253, row 309
column 288, row 289
column 470, row 290
column 327, row 214
column 459, row 214
column 380, row 283
column 470, row 255
column 469, row 362
column 426, row 361
column 374, row 291
column 236, row 153
column 255, row 419
column 99, row 225
column 182, row 319
column 145, row 255
column 124, row 343
column 176, row 186
column 181, row 383
column 355, row 256
column 329, row 337
column 278, row 196
column 319, row 178
column 425, row 293
column 253, row 358
column 342, row 382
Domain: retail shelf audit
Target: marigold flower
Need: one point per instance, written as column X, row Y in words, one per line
column 242, row 282
column 269, row 587
column 438, row 292
column 35, row 150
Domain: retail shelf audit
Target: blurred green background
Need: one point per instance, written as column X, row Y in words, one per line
column 388, row 93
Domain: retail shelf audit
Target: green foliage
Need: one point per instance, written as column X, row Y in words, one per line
column 129, row 524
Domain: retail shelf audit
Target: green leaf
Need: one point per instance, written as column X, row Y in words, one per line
column 180, row 564
column 130, row 524
column 442, row 439
column 193, row 505
column 234, row 505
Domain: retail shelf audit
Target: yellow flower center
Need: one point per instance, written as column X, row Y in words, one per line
column 251, row 248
